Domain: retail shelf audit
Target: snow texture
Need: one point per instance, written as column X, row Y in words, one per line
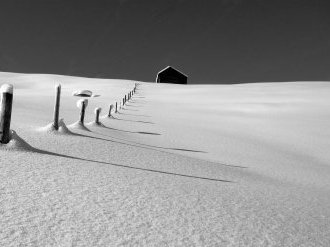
column 78, row 126
column 179, row 165
column 16, row 143
column 62, row 128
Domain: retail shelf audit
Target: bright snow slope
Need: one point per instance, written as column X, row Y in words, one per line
column 180, row 165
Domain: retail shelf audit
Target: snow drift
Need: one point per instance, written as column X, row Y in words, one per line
column 234, row 165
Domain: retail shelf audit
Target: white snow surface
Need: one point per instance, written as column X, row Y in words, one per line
column 179, row 165
column 97, row 109
column 82, row 93
column 6, row 88
column 80, row 103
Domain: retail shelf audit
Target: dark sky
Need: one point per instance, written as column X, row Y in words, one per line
column 213, row 41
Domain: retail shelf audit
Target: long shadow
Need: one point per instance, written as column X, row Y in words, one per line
column 187, row 150
column 138, row 103
column 127, row 166
column 126, row 109
column 137, row 100
column 148, row 133
column 150, row 147
column 146, row 122
column 135, row 115
column 133, row 105
column 127, row 131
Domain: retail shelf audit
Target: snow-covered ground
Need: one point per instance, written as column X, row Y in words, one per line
column 180, row 165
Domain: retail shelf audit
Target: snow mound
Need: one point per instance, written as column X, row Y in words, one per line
column 97, row 109
column 16, row 143
column 6, row 88
column 81, row 101
column 106, row 116
column 82, row 93
column 79, row 126
column 62, row 128
column 94, row 124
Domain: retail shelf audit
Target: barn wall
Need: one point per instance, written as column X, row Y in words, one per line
column 170, row 76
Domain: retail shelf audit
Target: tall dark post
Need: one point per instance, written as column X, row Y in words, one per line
column 116, row 108
column 57, row 105
column 110, row 110
column 82, row 104
column 5, row 112
column 97, row 115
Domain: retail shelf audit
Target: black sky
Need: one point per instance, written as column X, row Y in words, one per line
column 213, row 41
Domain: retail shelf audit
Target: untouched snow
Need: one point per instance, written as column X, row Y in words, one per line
column 226, row 165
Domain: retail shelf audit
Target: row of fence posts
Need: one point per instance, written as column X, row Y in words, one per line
column 7, row 92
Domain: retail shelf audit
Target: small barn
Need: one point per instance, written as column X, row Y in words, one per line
column 171, row 75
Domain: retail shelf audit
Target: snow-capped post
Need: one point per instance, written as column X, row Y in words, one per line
column 5, row 112
column 97, row 115
column 110, row 110
column 82, row 104
column 57, row 105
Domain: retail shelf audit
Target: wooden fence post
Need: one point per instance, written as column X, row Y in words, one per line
column 57, row 105
column 116, row 108
column 97, row 115
column 110, row 110
column 82, row 104
column 5, row 112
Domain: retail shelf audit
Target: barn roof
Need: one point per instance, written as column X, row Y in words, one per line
column 170, row 67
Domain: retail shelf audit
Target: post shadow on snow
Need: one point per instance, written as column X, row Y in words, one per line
column 134, row 101
column 137, row 121
column 151, row 147
column 126, row 109
column 134, row 132
column 135, row 115
column 125, row 166
column 129, row 105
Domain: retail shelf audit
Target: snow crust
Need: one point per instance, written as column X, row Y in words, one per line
column 16, row 143
column 191, row 165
